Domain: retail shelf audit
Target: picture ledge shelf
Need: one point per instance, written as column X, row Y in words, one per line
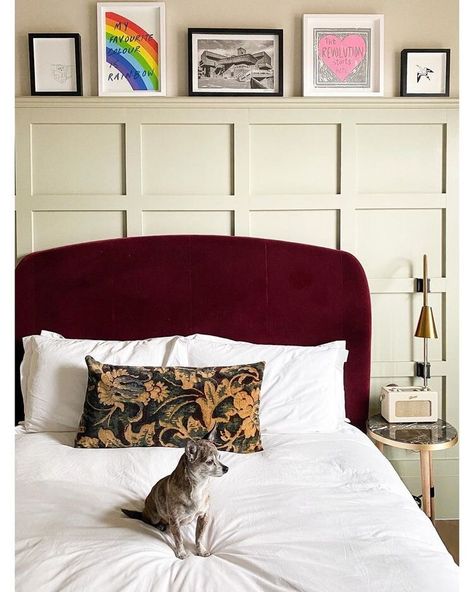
column 243, row 102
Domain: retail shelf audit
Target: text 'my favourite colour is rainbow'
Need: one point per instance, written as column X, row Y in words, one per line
column 132, row 53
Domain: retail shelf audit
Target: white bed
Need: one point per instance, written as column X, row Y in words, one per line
column 314, row 512
column 317, row 510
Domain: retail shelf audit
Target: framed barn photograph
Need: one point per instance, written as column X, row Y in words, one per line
column 235, row 62
column 424, row 73
column 132, row 49
column 343, row 54
column 55, row 64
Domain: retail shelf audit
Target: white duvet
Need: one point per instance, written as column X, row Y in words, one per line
column 314, row 512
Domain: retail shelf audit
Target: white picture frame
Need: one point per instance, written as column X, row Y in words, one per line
column 343, row 55
column 131, row 41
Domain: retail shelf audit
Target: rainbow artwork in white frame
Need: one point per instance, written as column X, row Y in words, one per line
column 131, row 46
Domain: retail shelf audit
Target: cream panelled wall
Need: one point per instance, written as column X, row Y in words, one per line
column 377, row 178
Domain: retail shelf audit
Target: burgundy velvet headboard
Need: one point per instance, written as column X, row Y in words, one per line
column 247, row 289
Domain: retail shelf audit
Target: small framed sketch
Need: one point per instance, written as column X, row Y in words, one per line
column 131, row 45
column 55, row 64
column 235, row 62
column 343, row 54
column 424, row 73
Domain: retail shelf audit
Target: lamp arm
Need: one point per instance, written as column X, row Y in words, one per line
column 425, row 363
column 425, row 280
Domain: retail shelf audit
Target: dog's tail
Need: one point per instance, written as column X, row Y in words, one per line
column 139, row 516
column 134, row 514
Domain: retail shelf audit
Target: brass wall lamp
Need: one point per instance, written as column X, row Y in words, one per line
column 425, row 329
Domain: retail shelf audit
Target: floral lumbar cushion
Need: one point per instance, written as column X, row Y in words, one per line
column 146, row 406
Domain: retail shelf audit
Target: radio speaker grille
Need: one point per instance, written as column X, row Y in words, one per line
column 413, row 408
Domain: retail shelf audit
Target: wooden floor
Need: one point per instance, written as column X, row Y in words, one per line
column 448, row 530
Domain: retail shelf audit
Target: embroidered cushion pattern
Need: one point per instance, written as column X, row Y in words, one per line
column 165, row 406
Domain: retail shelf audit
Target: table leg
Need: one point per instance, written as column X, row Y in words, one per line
column 432, row 501
column 425, row 481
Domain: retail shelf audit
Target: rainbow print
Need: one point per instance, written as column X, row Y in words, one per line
column 132, row 51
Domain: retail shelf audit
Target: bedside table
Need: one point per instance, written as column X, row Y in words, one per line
column 420, row 437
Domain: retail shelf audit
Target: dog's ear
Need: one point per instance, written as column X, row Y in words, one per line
column 211, row 436
column 191, row 450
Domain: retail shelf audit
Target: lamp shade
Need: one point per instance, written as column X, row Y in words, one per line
column 426, row 324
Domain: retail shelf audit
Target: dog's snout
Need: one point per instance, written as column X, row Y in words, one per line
column 224, row 469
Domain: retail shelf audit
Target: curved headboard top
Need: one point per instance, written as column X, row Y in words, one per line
column 247, row 289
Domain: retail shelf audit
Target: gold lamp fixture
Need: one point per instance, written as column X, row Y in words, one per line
column 426, row 328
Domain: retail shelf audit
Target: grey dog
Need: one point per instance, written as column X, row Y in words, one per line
column 182, row 496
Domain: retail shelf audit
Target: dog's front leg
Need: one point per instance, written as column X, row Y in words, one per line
column 200, row 527
column 180, row 551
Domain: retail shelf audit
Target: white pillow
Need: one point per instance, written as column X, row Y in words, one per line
column 26, row 362
column 302, row 389
column 54, row 374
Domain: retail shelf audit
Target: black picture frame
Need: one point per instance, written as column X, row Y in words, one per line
column 404, row 73
column 219, row 93
column 78, row 63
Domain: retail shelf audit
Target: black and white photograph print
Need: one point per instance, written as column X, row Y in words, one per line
column 235, row 62
column 424, row 73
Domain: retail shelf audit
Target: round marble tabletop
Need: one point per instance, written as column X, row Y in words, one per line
column 434, row 435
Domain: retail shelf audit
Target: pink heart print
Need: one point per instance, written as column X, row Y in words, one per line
column 342, row 54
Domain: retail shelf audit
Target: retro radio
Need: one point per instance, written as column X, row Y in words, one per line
column 405, row 404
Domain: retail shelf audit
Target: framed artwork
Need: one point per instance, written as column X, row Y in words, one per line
column 132, row 50
column 235, row 62
column 424, row 73
column 343, row 54
column 55, row 64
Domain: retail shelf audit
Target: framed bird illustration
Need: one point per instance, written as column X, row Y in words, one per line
column 424, row 73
